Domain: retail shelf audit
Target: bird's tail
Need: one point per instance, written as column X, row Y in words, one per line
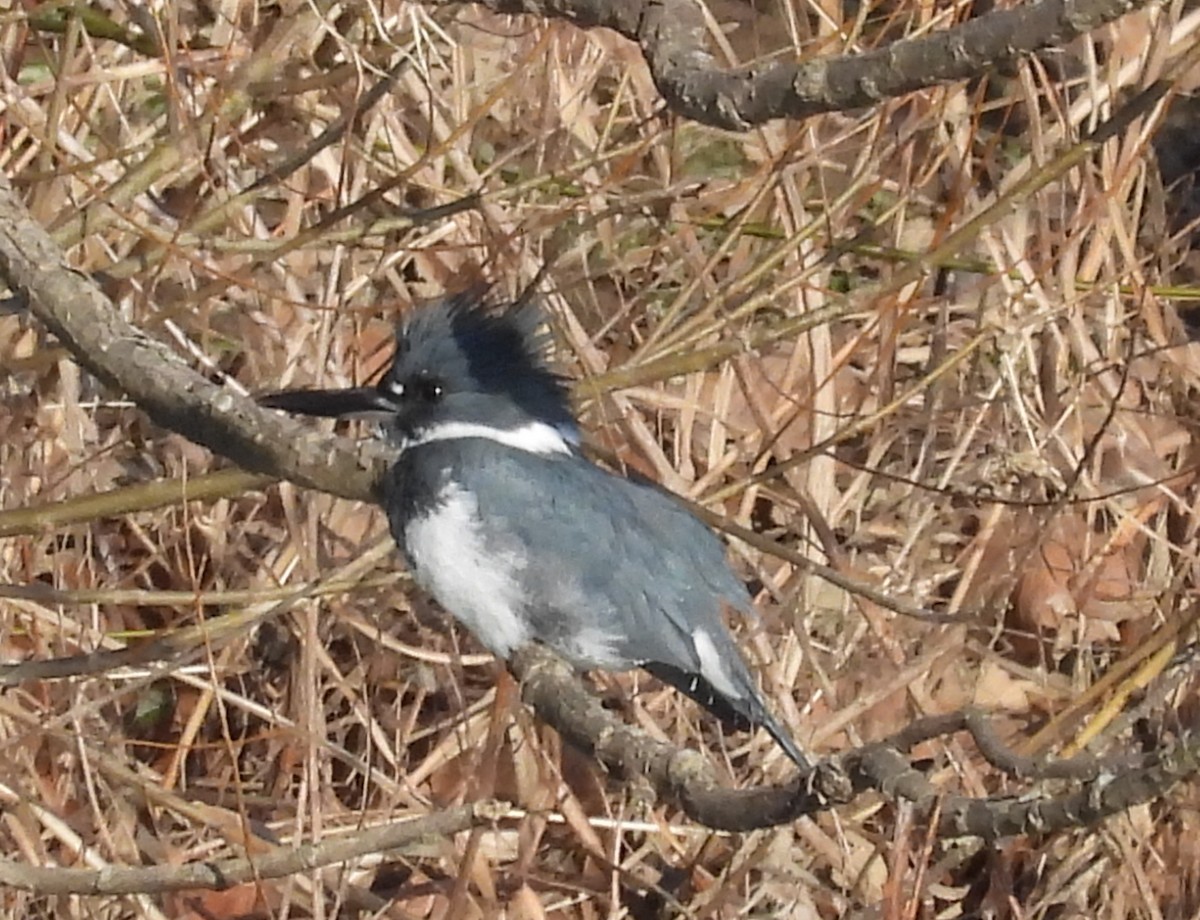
column 738, row 714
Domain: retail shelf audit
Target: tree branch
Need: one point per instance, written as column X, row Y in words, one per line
column 221, row 874
column 672, row 37
column 688, row 779
column 173, row 395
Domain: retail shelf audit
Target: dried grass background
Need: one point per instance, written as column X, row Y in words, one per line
column 1009, row 442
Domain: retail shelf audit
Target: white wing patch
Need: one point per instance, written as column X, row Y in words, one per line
column 712, row 668
column 533, row 438
column 477, row 587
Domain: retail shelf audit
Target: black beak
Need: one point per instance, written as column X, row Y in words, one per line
column 355, row 402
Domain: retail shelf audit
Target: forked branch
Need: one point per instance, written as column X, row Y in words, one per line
column 671, row 35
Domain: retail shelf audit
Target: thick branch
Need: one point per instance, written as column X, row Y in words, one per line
column 159, row 381
column 672, row 38
column 688, row 779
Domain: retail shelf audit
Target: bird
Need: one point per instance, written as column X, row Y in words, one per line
column 506, row 522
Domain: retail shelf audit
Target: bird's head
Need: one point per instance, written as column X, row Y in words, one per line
column 459, row 366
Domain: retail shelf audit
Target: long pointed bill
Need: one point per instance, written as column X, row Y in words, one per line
column 355, row 402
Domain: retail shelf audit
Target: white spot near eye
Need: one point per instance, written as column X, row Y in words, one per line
column 395, row 387
column 712, row 668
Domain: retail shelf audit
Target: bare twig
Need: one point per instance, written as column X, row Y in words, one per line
column 222, row 874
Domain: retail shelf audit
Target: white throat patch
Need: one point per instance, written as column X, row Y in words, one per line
column 533, row 438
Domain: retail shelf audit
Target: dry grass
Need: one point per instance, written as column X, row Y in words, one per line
column 1026, row 460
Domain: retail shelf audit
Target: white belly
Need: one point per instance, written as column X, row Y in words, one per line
column 478, row 588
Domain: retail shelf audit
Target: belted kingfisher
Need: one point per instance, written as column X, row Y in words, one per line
column 519, row 536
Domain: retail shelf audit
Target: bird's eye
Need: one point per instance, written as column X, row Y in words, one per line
column 429, row 390
column 414, row 389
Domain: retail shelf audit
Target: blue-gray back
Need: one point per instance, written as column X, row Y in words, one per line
column 606, row 556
